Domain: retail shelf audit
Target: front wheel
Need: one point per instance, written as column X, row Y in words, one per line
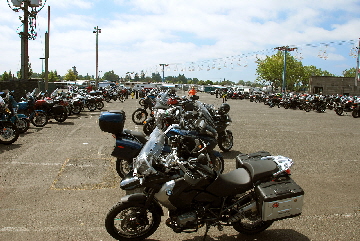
column 148, row 128
column 226, row 141
column 339, row 110
column 39, row 119
column 61, row 117
column 123, row 167
column 131, row 222
column 22, row 124
column 91, row 106
column 76, row 109
column 9, row 133
column 100, row 105
column 216, row 162
column 139, row 116
column 355, row 113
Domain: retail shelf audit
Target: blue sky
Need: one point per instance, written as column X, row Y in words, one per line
column 206, row 39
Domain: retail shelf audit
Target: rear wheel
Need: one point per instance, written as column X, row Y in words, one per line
column 131, row 221
column 251, row 226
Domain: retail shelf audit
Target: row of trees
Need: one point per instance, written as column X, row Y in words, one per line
column 269, row 72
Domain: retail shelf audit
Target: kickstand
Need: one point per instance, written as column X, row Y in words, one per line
column 206, row 231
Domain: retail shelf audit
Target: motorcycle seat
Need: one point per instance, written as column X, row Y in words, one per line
column 260, row 169
column 231, row 183
column 139, row 135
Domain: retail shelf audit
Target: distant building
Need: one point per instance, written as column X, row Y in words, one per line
column 328, row 85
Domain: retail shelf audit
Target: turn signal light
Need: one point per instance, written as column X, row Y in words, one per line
column 288, row 171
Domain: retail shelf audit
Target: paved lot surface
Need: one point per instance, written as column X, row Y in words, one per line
column 58, row 182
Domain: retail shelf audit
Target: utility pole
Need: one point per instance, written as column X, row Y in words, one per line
column 24, row 35
column 97, row 31
column 357, row 74
column 163, row 70
column 285, row 49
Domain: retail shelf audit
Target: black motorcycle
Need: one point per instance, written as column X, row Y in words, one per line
column 141, row 114
column 257, row 193
column 222, row 120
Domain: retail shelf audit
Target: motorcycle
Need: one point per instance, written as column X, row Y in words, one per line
column 9, row 133
column 257, row 193
column 167, row 111
column 130, row 143
column 140, row 114
column 222, row 121
column 52, row 108
column 345, row 105
column 21, row 121
column 356, row 108
column 27, row 107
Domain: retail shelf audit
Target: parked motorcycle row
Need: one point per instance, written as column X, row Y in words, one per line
column 318, row 103
column 38, row 108
column 173, row 166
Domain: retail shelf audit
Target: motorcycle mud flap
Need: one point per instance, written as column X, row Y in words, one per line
column 279, row 200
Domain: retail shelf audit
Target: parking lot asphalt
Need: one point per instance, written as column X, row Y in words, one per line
column 58, row 182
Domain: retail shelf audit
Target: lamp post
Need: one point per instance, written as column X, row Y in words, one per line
column 163, row 70
column 285, row 49
column 97, row 31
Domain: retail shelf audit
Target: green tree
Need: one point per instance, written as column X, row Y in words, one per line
column 156, row 77
column 110, row 75
column 6, row 76
column 270, row 70
column 70, row 75
column 349, row 72
column 53, row 76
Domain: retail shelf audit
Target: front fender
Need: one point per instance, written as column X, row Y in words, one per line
column 22, row 116
column 141, row 199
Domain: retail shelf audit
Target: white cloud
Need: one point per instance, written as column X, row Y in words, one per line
column 139, row 34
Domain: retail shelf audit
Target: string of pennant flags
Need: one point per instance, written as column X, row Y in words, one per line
column 243, row 60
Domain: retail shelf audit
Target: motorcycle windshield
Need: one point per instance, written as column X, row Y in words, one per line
column 205, row 113
column 150, row 153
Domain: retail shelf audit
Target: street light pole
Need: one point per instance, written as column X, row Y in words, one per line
column 97, row 31
column 285, row 49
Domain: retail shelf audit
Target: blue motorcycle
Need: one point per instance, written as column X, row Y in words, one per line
column 38, row 118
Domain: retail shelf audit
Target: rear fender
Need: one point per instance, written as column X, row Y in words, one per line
column 140, row 198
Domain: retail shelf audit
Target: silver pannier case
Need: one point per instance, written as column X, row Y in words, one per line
column 280, row 199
